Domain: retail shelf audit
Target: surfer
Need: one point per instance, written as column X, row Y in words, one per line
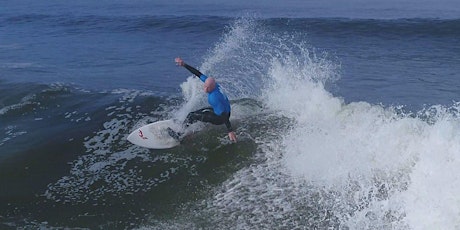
column 218, row 113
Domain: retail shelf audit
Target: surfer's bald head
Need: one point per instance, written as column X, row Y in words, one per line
column 209, row 84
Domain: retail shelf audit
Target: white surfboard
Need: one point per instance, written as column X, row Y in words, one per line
column 155, row 135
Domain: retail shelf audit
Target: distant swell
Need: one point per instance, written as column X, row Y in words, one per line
column 89, row 23
column 336, row 26
column 394, row 27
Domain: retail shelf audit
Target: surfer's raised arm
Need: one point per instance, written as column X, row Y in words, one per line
column 181, row 62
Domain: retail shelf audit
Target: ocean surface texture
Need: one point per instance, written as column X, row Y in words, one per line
column 347, row 114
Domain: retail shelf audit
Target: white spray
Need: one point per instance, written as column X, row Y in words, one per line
column 385, row 169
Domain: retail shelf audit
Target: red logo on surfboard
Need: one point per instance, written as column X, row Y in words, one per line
column 141, row 135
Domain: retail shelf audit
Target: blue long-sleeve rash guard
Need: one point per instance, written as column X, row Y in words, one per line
column 216, row 98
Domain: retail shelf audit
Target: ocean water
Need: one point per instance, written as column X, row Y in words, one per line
column 347, row 114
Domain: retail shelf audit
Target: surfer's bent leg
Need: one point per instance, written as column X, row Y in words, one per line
column 208, row 115
column 204, row 115
column 199, row 115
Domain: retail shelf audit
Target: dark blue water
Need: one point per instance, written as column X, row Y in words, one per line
column 318, row 90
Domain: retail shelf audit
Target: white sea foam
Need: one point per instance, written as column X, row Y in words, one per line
column 25, row 101
column 10, row 133
column 405, row 167
column 105, row 162
column 17, row 65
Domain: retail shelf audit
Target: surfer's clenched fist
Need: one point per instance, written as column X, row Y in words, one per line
column 179, row 61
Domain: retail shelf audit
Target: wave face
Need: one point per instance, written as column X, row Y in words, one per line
column 324, row 163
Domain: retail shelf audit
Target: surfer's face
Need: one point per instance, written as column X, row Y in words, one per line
column 207, row 89
column 209, row 85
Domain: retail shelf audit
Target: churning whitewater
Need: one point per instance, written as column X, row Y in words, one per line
column 324, row 163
